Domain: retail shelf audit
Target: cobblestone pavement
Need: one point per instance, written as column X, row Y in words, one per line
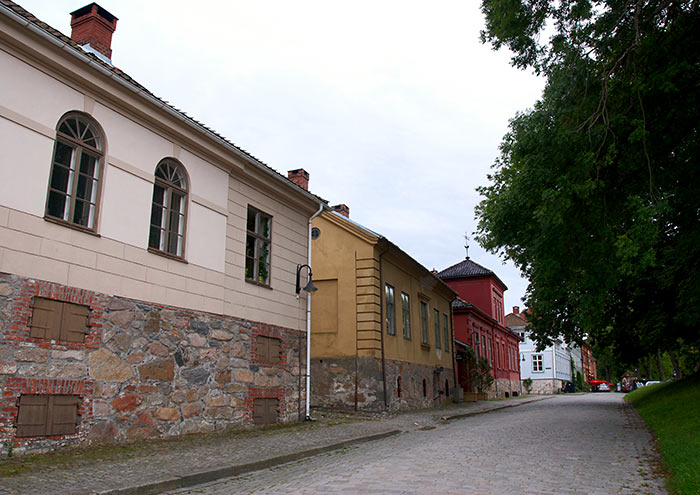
column 592, row 444
column 180, row 462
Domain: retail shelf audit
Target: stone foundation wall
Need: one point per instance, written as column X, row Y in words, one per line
column 334, row 385
column 504, row 387
column 546, row 386
column 144, row 370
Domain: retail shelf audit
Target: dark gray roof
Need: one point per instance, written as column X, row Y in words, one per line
column 467, row 269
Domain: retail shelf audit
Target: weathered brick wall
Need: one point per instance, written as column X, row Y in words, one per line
column 144, row 370
column 333, row 384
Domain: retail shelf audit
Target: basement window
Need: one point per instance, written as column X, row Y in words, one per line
column 265, row 411
column 268, row 349
column 44, row 415
column 58, row 320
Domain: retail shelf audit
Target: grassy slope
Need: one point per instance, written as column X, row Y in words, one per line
column 672, row 411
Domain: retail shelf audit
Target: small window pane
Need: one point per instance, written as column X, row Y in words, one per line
column 64, row 154
column 57, row 206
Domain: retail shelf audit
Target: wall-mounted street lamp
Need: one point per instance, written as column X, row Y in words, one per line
column 309, row 287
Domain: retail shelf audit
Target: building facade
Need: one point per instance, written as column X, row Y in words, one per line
column 480, row 330
column 147, row 265
column 551, row 368
column 381, row 324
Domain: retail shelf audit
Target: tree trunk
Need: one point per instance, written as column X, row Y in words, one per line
column 662, row 375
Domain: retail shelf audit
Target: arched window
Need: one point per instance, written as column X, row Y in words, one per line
column 169, row 207
column 76, row 170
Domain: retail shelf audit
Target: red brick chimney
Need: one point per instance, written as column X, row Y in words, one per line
column 516, row 310
column 342, row 209
column 300, row 177
column 92, row 25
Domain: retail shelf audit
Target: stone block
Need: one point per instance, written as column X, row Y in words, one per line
column 163, row 369
column 71, row 354
column 243, row 376
column 126, row 402
column 122, row 319
column 32, row 354
column 221, row 335
column 195, row 376
column 104, row 365
column 103, row 431
column 167, row 414
column 191, row 409
column 7, row 368
column 158, row 349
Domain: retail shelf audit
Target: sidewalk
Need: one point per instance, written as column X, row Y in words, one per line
column 158, row 466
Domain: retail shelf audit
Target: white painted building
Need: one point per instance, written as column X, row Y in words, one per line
column 551, row 368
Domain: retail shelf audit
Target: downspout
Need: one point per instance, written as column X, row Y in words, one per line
column 554, row 367
column 381, row 327
column 308, row 324
column 454, row 350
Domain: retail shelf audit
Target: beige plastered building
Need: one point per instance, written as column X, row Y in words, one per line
column 190, row 320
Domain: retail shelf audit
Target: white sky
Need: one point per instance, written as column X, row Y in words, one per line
column 393, row 107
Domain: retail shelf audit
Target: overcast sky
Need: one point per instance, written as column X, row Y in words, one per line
column 393, row 107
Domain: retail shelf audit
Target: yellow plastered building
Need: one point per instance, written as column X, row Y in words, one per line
column 381, row 325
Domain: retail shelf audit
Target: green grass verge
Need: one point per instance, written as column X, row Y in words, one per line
column 672, row 411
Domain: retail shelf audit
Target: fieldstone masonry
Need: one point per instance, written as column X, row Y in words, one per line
column 349, row 383
column 144, row 370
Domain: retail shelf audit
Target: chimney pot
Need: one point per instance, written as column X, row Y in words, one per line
column 92, row 25
column 300, row 177
column 516, row 310
column 342, row 209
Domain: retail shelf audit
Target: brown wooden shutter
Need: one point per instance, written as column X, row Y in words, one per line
column 265, row 411
column 62, row 414
column 31, row 418
column 46, row 319
column 74, row 322
column 274, row 348
column 263, row 350
column 268, row 349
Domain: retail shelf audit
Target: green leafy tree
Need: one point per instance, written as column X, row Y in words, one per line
column 594, row 195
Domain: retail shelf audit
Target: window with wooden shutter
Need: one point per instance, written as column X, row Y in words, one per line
column 265, row 411
column 43, row 415
column 46, row 319
column 57, row 320
column 268, row 349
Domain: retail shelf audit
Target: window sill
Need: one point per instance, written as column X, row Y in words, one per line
column 425, row 347
column 70, row 225
column 259, row 284
column 167, row 255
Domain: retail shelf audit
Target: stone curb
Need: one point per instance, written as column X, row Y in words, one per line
column 193, row 479
column 483, row 411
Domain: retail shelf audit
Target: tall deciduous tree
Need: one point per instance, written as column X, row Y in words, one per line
column 595, row 194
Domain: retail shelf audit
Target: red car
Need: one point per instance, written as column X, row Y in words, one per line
column 601, row 386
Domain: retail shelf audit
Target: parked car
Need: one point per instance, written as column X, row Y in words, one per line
column 651, row 382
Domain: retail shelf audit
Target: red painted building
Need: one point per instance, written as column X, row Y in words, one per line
column 479, row 324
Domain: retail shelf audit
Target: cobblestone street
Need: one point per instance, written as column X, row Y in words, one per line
column 592, row 444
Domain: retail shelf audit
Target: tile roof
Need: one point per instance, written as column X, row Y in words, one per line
column 33, row 20
column 467, row 269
